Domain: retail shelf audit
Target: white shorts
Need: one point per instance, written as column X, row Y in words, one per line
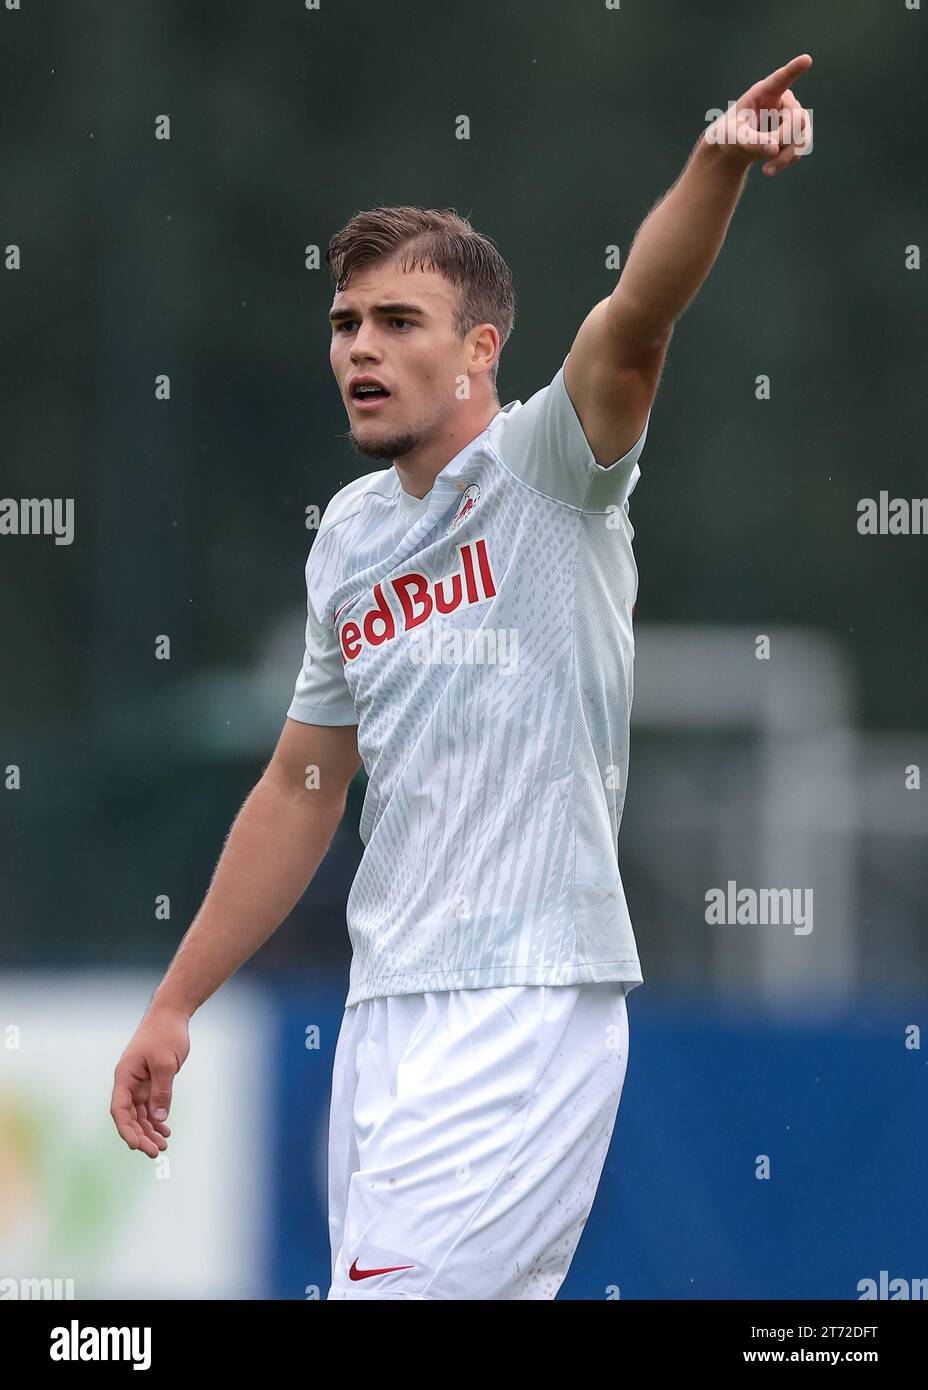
column 467, row 1134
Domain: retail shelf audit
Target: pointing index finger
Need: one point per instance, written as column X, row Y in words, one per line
column 776, row 84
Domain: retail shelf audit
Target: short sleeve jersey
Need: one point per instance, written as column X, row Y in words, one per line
column 481, row 640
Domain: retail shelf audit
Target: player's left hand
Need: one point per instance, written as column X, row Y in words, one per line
column 740, row 133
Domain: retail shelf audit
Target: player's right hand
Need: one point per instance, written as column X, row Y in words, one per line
column 144, row 1077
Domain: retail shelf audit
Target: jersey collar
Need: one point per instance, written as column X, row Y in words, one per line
column 447, row 482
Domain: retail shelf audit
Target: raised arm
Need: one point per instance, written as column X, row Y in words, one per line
column 615, row 362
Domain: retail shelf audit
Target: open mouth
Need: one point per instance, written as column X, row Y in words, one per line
column 368, row 396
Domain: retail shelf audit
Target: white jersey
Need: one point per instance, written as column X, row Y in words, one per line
column 481, row 640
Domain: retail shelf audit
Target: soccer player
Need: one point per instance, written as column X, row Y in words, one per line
column 469, row 640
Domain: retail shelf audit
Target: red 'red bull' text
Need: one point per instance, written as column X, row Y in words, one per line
column 417, row 598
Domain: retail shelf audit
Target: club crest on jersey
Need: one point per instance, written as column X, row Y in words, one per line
column 417, row 598
column 468, row 502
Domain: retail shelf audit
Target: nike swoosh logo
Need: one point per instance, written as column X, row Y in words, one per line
column 355, row 1273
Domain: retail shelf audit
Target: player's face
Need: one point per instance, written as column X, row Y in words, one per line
column 396, row 326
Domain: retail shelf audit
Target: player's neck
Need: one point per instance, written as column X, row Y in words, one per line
column 418, row 470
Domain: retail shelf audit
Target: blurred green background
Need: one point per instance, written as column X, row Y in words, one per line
column 186, row 257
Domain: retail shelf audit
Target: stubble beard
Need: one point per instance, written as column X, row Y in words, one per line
column 387, row 447
column 395, row 446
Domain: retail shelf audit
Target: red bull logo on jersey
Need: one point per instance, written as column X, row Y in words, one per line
column 468, row 503
column 415, row 598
